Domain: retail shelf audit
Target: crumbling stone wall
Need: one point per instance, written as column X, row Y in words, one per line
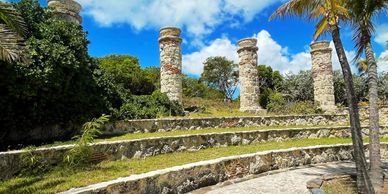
column 68, row 10
column 322, row 72
column 171, row 63
column 249, row 91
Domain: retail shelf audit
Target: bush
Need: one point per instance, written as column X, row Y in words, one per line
column 298, row 87
column 276, row 103
column 56, row 90
column 81, row 154
column 126, row 72
column 149, row 107
column 265, row 97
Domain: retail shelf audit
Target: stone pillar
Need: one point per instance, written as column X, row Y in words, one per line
column 171, row 63
column 249, row 85
column 68, row 10
column 322, row 72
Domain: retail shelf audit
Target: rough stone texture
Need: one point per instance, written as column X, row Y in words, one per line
column 68, row 10
column 171, row 63
column 322, row 72
column 186, row 178
column 117, row 150
column 249, row 90
column 172, row 124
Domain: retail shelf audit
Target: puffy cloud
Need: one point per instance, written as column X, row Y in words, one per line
column 193, row 62
column 197, row 17
column 382, row 34
column 270, row 53
column 273, row 54
column 382, row 62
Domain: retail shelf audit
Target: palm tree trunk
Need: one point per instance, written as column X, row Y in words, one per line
column 364, row 184
column 374, row 132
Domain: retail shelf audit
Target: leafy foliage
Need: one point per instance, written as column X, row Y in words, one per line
column 298, row 87
column 125, row 72
column 147, row 107
column 33, row 163
column 196, row 88
column 221, row 74
column 62, row 86
column 82, row 152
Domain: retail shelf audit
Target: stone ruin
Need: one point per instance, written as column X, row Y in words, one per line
column 171, row 71
column 171, row 63
column 322, row 72
column 249, row 83
column 68, row 10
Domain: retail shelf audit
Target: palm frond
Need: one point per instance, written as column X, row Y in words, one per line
column 10, row 17
column 362, row 66
column 321, row 27
column 295, row 8
column 12, row 48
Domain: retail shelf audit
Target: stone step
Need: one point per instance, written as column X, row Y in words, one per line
column 116, row 150
column 172, row 124
column 189, row 177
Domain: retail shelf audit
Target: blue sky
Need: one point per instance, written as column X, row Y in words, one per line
column 209, row 28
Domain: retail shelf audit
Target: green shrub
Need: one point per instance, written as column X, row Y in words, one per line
column 148, row 107
column 265, row 97
column 276, row 103
column 82, row 152
column 33, row 163
column 304, row 107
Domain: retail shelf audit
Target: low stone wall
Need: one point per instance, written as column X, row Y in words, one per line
column 186, row 178
column 11, row 162
column 161, row 125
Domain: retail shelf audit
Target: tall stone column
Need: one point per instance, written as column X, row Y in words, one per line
column 249, row 85
column 322, row 72
column 68, row 10
column 171, row 63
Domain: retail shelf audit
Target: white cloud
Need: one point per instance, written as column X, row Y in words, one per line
column 197, row 17
column 273, row 54
column 270, row 53
column 382, row 62
column 350, row 56
column 382, row 34
column 193, row 62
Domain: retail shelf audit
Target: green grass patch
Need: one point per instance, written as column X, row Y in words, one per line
column 132, row 136
column 63, row 178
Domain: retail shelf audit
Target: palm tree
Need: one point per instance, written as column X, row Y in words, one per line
column 362, row 14
column 12, row 29
column 330, row 13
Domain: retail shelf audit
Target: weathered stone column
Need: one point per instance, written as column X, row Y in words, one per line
column 171, row 63
column 249, row 85
column 68, row 10
column 322, row 72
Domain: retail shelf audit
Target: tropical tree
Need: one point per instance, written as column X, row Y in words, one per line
column 362, row 15
column 330, row 13
column 12, row 29
column 221, row 74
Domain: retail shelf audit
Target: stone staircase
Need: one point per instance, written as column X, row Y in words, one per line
column 277, row 129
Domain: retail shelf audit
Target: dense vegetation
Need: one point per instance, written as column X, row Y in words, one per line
column 61, row 86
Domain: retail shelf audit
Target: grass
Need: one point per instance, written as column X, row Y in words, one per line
column 338, row 186
column 132, row 136
column 214, row 108
column 63, row 178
